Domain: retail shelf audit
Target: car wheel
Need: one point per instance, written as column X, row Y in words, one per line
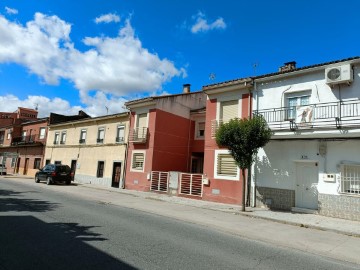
column 48, row 181
column 37, row 179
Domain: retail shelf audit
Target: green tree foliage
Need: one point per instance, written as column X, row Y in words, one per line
column 244, row 137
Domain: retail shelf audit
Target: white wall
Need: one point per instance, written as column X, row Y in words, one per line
column 276, row 166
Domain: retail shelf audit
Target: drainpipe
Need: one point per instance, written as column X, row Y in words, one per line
column 126, row 154
column 254, row 175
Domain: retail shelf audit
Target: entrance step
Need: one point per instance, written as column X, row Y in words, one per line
column 304, row 210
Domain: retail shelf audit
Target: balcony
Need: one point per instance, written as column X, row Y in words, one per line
column 98, row 140
column 29, row 139
column 119, row 139
column 138, row 135
column 338, row 115
column 215, row 124
column 81, row 141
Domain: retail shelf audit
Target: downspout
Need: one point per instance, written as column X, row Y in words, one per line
column 254, row 175
column 126, row 155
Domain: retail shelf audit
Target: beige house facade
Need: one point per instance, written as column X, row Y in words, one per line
column 94, row 148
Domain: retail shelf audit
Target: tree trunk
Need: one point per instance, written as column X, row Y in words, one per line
column 243, row 190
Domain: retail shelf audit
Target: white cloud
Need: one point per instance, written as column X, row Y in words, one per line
column 11, row 10
column 202, row 25
column 117, row 65
column 107, row 18
column 94, row 106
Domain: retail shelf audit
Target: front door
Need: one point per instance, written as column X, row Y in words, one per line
column 116, row 174
column 17, row 167
column 306, row 192
column 73, row 168
column 26, row 166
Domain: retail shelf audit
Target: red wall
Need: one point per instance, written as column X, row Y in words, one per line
column 168, row 148
column 230, row 191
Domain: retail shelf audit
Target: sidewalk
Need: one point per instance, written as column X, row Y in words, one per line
column 314, row 221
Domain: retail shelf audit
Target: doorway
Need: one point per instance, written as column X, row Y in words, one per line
column 306, row 190
column 73, row 168
column 116, row 175
column 197, row 163
column 17, row 167
column 26, row 166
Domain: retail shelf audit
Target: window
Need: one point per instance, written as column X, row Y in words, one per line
column 200, row 130
column 350, row 179
column 100, row 169
column 37, row 162
column 13, row 162
column 63, row 137
column 225, row 166
column 142, row 120
column 56, row 138
column 47, row 161
column 296, row 100
column 120, row 134
column 2, row 135
column 101, row 135
column 23, row 136
column 137, row 163
column 229, row 110
column 57, row 162
column 42, row 133
column 9, row 134
column 82, row 136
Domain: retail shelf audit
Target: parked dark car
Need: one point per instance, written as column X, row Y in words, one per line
column 52, row 173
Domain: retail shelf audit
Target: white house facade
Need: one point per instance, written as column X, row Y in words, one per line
column 312, row 162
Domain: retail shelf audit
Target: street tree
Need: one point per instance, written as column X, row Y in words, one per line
column 244, row 137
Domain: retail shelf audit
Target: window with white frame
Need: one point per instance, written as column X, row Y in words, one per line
column 42, row 133
column 101, row 135
column 200, row 130
column 350, row 179
column 23, row 136
column 229, row 110
column 120, row 133
column 9, row 134
column 296, row 100
column 82, row 136
column 225, row 166
column 138, row 161
column 63, row 137
column 56, row 137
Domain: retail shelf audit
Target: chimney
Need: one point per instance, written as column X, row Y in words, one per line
column 186, row 88
column 288, row 66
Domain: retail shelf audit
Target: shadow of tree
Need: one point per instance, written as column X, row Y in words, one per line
column 30, row 243
column 12, row 201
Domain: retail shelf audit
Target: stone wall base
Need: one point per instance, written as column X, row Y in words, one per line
column 340, row 206
column 275, row 198
column 86, row 179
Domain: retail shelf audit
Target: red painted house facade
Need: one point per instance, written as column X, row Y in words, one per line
column 225, row 101
column 166, row 138
column 22, row 141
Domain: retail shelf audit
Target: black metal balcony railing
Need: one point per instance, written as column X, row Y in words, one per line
column 119, row 139
column 100, row 140
column 82, row 141
column 138, row 135
column 29, row 139
column 62, row 142
column 313, row 116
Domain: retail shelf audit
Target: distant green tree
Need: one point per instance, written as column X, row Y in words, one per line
column 244, row 137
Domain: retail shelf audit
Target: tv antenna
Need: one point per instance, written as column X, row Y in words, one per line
column 36, row 106
column 212, row 76
column 107, row 109
column 255, row 65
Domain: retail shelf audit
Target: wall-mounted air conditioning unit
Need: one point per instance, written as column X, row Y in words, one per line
column 339, row 74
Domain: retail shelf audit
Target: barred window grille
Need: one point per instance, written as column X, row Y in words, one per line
column 350, row 179
column 138, row 161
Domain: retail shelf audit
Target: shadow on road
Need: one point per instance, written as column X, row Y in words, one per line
column 29, row 243
column 12, row 201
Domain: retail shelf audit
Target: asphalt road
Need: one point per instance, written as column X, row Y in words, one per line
column 47, row 229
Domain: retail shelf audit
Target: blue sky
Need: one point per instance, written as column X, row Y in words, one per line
column 63, row 56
